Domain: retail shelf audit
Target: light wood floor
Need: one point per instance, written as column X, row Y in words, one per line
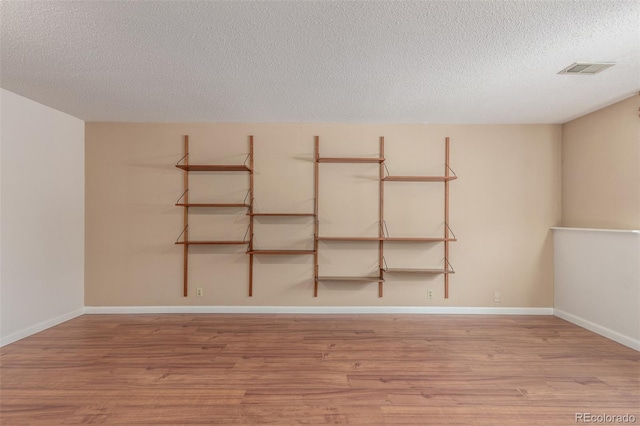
column 294, row 369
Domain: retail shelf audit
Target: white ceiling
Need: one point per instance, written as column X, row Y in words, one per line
column 404, row 62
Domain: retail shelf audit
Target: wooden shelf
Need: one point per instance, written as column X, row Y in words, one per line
column 391, row 239
column 281, row 214
column 420, row 271
column 445, row 238
column 212, row 205
column 281, row 251
column 192, row 242
column 351, row 279
column 185, row 202
column 419, row 239
column 248, row 203
column 350, row 238
column 419, row 178
column 350, row 160
column 214, row 167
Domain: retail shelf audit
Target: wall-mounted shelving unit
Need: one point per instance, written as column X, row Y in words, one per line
column 275, row 252
column 448, row 236
column 252, row 251
column 383, row 232
column 183, row 202
column 379, row 239
column 248, row 203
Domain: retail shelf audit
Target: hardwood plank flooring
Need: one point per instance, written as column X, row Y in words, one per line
column 316, row 369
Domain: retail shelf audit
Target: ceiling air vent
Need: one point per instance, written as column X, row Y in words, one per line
column 588, row 68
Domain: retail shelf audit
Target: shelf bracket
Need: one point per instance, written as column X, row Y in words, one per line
column 387, row 173
column 244, row 238
column 182, row 233
column 183, row 194
column 383, row 229
column 182, row 158
column 448, row 266
column 450, row 230
column 451, row 170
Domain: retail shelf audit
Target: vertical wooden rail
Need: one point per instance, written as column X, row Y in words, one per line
column 251, row 216
column 315, row 212
column 381, row 219
column 446, row 218
column 185, row 250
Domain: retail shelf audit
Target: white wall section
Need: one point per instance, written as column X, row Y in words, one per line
column 42, row 217
column 597, row 281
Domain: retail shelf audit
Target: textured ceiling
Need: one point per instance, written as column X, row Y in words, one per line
column 404, row 62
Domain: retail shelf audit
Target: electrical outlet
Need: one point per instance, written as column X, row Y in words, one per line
column 199, row 292
column 496, row 297
column 429, row 293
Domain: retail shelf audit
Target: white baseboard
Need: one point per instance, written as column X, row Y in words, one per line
column 598, row 329
column 315, row 310
column 39, row 327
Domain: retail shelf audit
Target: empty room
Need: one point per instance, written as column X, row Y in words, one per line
column 320, row 212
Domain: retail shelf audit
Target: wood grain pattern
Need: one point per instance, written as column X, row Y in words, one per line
column 349, row 238
column 212, row 204
column 446, row 216
column 419, row 239
column 282, row 214
column 316, row 155
column 381, row 222
column 251, row 203
column 212, row 242
column 349, row 160
column 350, row 279
column 214, row 167
column 316, row 369
column 419, row 178
column 281, row 251
column 185, row 213
column 421, row 270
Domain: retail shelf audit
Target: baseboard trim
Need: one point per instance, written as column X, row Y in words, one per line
column 445, row 310
column 40, row 327
column 315, row 310
column 598, row 329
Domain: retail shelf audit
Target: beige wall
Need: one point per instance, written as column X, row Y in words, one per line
column 506, row 198
column 42, row 217
column 601, row 168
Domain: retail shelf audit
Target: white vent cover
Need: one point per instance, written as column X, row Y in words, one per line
column 588, row 68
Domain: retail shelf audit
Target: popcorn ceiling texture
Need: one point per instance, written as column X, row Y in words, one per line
column 405, row 62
